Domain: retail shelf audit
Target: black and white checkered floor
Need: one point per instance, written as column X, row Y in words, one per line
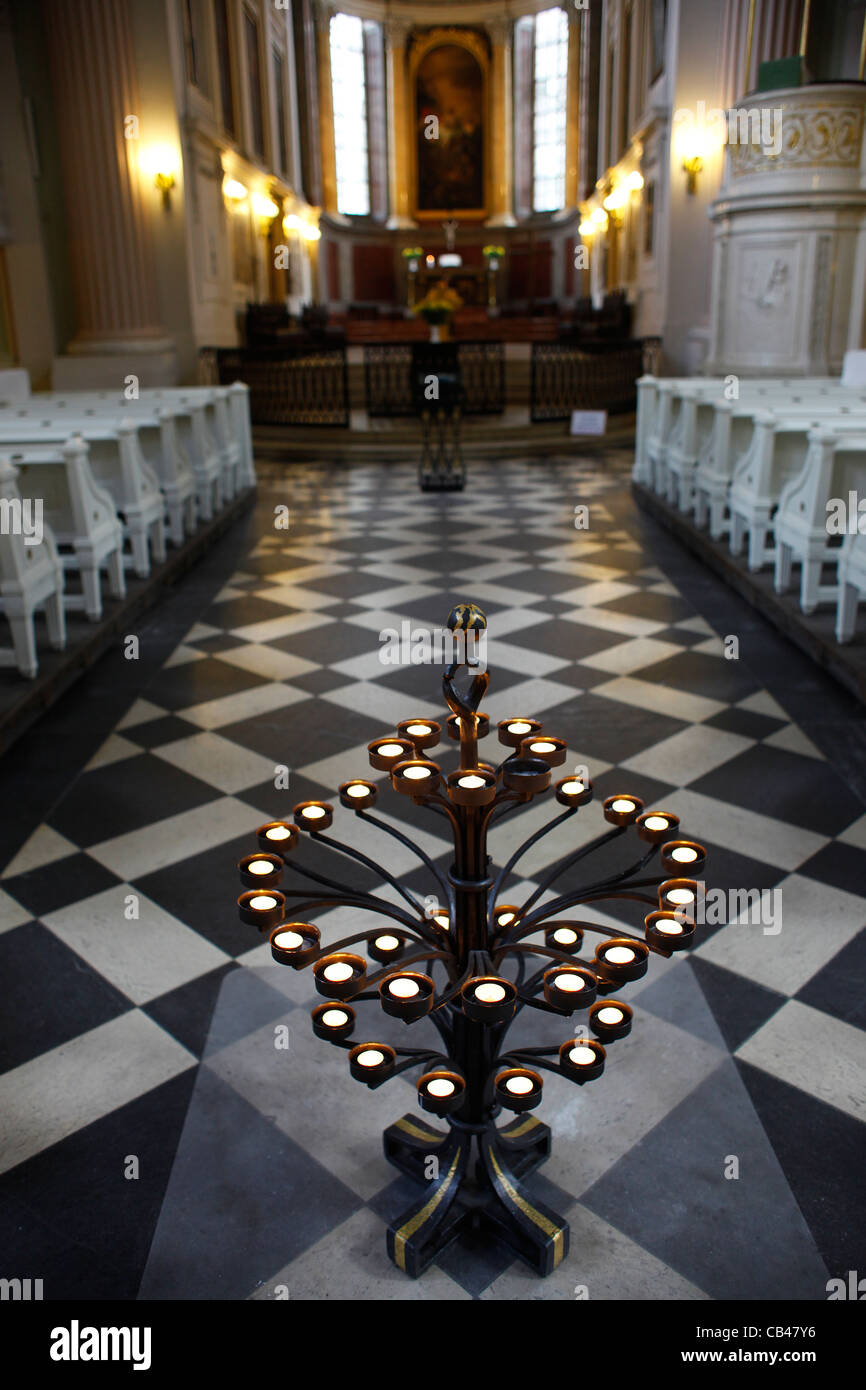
column 156, row 1143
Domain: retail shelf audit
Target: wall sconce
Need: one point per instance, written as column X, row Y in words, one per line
column 634, row 182
column 265, row 210
column 599, row 218
column 291, row 223
column 161, row 163
column 586, row 229
column 692, row 166
column 310, row 232
column 615, row 202
column 233, row 190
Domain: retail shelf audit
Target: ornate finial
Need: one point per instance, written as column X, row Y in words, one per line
column 467, row 617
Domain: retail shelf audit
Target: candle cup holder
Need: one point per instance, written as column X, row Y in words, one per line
column 460, row 963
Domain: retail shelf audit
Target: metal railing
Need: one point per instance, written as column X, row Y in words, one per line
column 567, row 378
column 288, row 386
column 389, row 369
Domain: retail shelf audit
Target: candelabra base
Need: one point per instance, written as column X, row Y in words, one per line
column 461, row 1197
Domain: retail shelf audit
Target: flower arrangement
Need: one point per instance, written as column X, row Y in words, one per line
column 438, row 304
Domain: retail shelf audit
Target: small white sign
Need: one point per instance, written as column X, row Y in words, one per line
column 589, row 422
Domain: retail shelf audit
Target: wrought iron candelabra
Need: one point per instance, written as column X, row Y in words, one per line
column 479, row 948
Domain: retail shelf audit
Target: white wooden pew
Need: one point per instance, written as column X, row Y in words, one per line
column 118, row 463
column 81, row 515
column 776, row 453
column 31, row 578
column 834, row 467
column 157, row 438
column 851, row 573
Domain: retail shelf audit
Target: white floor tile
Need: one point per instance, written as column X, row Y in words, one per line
column 760, row 837
column 175, row 838
column 815, row 1052
column 45, row 846
column 218, row 761
column 632, row 656
column 271, row 662
column 244, row 704
column 142, row 958
column 61, row 1091
column 661, row 699
column 688, row 755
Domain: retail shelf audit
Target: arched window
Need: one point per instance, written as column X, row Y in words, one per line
column 549, row 101
column 349, row 96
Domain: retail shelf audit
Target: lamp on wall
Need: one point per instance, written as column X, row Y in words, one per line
column 233, row 190
column 161, row 163
column 691, row 149
column 265, row 210
column 470, row 964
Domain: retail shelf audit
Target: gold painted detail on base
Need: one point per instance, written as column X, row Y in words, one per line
column 529, row 1123
column 415, row 1222
column 548, row 1227
column 410, row 1128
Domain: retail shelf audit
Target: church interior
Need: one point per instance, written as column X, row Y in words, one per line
column 432, row 451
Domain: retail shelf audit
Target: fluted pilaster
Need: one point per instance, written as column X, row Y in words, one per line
column 93, row 76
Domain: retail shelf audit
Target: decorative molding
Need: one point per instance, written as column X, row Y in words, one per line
column 813, row 136
column 821, row 303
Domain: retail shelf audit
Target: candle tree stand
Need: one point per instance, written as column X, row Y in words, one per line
column 478, row 949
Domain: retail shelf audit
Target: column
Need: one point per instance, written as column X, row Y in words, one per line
column 399, row 123
column 326, row 106
column 107, row 201
column 572, row 118
column 502, row 126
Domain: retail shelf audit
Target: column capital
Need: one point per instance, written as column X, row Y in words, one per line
column 396, row 29
column 500, row 29
column 323, row 12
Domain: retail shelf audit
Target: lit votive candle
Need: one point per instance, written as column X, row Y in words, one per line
column 471, row 782
column 543, row 746
column 504, row 918
column 565, row 936
column 619, row 955
column 416, row 774
column 314, row 812
column 278, row 832
column 519, row 726
column 371, row 1058
column 582, row 1056
column 669, row 927
column 334, row 1018
column 338, row 972
column 440, row 1086
column 263, row 902
column 358, row 790
column 518, row 1085
column 622, row 804
column 684, row 854
column 489, row 993
column 418, row 730
column 680, row 895
column 656, row 823
column 389, row 750
column 573, row 788
column 260, row 866
column 289, row 940
column 609, row 1015
column 403, row 988
column 387, row 942
column 442, row 920
column 569, row 984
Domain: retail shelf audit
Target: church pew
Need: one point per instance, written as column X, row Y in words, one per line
column 157, row 437
column 31, row 578
column 851, row 573
column 834, row 467
column 80, row 513
column 188, row 410
column 776, row 452
column 118, row 463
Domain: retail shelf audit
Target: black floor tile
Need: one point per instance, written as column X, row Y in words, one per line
column 739, row 1006
column 60, row 883
column 35, row 1019
column 840, row 988
column 786, row 786
column 101, row 804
